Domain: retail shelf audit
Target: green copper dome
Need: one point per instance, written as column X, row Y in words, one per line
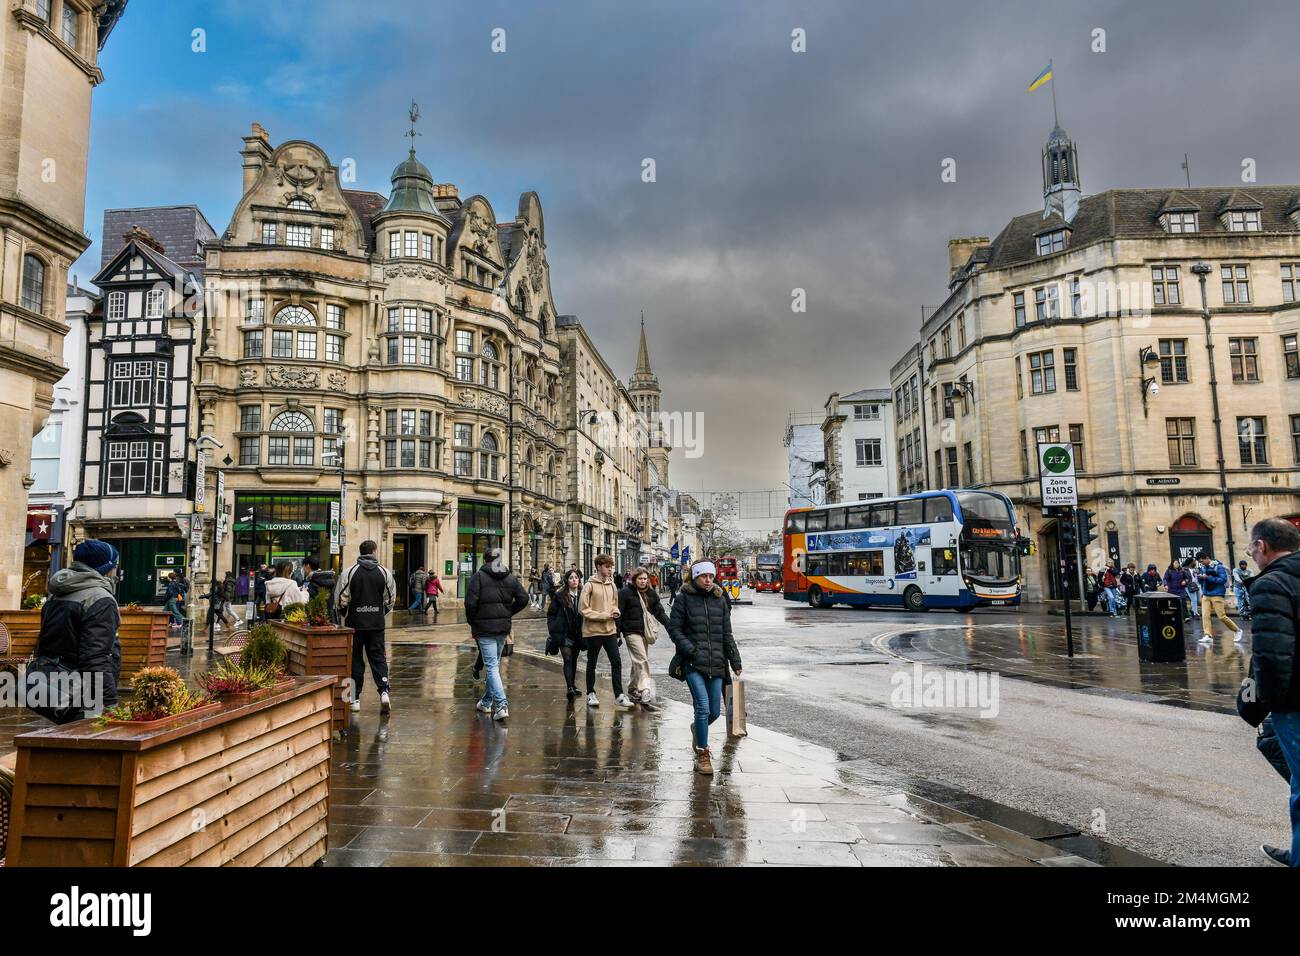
column 412, row 188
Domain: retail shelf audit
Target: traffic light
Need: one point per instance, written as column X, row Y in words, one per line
column 1067, row 534
column 1024, row 546
column 1086, row 526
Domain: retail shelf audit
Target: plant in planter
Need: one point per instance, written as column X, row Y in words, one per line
column 131, row 606
column 265, row 648
column 157, row 693
column 318, row 610
column 297, row 614
column 32, row 602
column 233, row 680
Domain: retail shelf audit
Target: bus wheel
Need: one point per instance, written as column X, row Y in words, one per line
column 913, row 599
column 816, row 598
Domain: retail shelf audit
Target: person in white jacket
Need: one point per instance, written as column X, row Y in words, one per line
column 283, row 589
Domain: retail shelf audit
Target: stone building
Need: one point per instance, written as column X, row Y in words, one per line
column 392, row 358
column 607, row 449
column 858, row 439
column 48, row 57
column 908, row 376
column 1082, row 323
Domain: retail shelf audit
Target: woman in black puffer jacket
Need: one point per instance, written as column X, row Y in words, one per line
column 564, row 629
column 700, row 627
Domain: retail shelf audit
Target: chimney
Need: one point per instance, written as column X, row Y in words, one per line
column 256, row 151
column 144, row 237
column 959, row 251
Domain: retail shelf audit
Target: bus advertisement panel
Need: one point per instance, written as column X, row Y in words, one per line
column 956, row 549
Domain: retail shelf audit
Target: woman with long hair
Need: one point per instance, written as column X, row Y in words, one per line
column 564, row 627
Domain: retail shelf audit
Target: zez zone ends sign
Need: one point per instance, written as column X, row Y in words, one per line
column 1056, row 474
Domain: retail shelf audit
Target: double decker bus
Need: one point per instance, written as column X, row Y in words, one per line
column 767, row 572
column 954, row 549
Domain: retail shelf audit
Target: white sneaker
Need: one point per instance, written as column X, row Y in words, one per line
column 592, row 700
column 623, row 700
column 1241, row 636
column 483, row 708
column 1207, row 639
column 356, row 705
column 385, row 705
column 501, row 714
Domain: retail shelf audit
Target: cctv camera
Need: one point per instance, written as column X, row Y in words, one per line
column 1155, row 388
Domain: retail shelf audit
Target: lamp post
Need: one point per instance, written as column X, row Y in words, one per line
column 200, row 475
column 1147, row 356
column 1201, row 270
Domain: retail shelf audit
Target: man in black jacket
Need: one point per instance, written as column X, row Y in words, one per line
column 493, row 597
column 78, row 643
column 317, row 579
column 364, row 596
column 1272, row 688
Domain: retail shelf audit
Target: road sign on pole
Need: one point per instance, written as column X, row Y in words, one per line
column 200, row 482
column 335, row 543
column 1056, row 474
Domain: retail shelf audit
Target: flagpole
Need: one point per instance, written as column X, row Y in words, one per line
column 1055, row 119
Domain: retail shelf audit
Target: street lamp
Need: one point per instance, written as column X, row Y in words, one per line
column 1201, row 269
column 1147, row 357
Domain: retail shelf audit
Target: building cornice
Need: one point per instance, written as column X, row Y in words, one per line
column 33, row 24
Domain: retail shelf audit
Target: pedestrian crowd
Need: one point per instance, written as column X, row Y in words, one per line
column 1200, row 583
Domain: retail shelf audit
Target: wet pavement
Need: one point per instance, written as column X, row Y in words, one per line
column 558, row 783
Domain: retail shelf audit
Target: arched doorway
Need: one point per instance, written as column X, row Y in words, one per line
column 1188, row 536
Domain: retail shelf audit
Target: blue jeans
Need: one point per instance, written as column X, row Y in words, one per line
column 1194, row 598
column 491, row 647
column 1108, row 595
column 1286, row 724
column 706, row 695
column 1243, row 601
column 417, row 604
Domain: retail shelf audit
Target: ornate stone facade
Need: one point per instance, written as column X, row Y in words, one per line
column 391, row 323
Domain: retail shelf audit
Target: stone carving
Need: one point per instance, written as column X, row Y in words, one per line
column 535, row 261
column 292, row 376
column 493, row 404
column 410, row 271
column 466, row 398
column 247, row 377
column 481, row 231
column 410, row 519
column 338, row 381
column 6, row 457
column 301, row 175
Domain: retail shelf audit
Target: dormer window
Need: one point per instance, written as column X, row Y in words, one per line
column 1179, row 222
column 1243, row 220
column 299, row 203
column 1050, row 242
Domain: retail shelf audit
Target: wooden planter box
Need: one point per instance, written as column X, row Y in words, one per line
column 315, row 651
column 245, row 785
column 143, row 635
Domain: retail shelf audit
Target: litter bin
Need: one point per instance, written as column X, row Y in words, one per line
column 1159, row 620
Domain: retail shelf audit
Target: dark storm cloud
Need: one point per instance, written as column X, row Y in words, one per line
column 775, row 170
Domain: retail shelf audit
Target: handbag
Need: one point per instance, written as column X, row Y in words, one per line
column 736, row 708
column 648, row 622
column 272, row 608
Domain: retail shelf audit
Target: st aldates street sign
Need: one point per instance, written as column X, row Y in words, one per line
column 1056, row 474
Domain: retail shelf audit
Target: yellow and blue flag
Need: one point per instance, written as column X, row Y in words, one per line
column 1041, row 78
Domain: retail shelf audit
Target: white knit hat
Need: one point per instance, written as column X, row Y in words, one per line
column 703, row 567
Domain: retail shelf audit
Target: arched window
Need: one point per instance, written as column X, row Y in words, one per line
column 299, row 203
column 488, row 459
column 489, row 371
column 303, row 447
column 292, row 421
column 33, row 294
column 294, row 315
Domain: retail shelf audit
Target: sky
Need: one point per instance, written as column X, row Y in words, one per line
column 774, row 170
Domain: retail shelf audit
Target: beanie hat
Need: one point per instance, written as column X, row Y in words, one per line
column 96, row 554
column 703, row 567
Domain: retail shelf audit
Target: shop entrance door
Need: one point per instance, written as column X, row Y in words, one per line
column 408, row 557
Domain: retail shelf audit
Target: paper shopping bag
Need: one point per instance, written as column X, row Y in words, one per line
column 736, row 708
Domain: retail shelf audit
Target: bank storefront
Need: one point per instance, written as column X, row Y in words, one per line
column 288, row 527
column 479, row 527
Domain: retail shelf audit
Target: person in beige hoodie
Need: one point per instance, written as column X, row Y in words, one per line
column 598, row 606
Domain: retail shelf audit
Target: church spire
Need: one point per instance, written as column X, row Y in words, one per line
column 643, row 353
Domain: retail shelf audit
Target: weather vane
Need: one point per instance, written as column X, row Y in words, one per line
column 414, row 113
